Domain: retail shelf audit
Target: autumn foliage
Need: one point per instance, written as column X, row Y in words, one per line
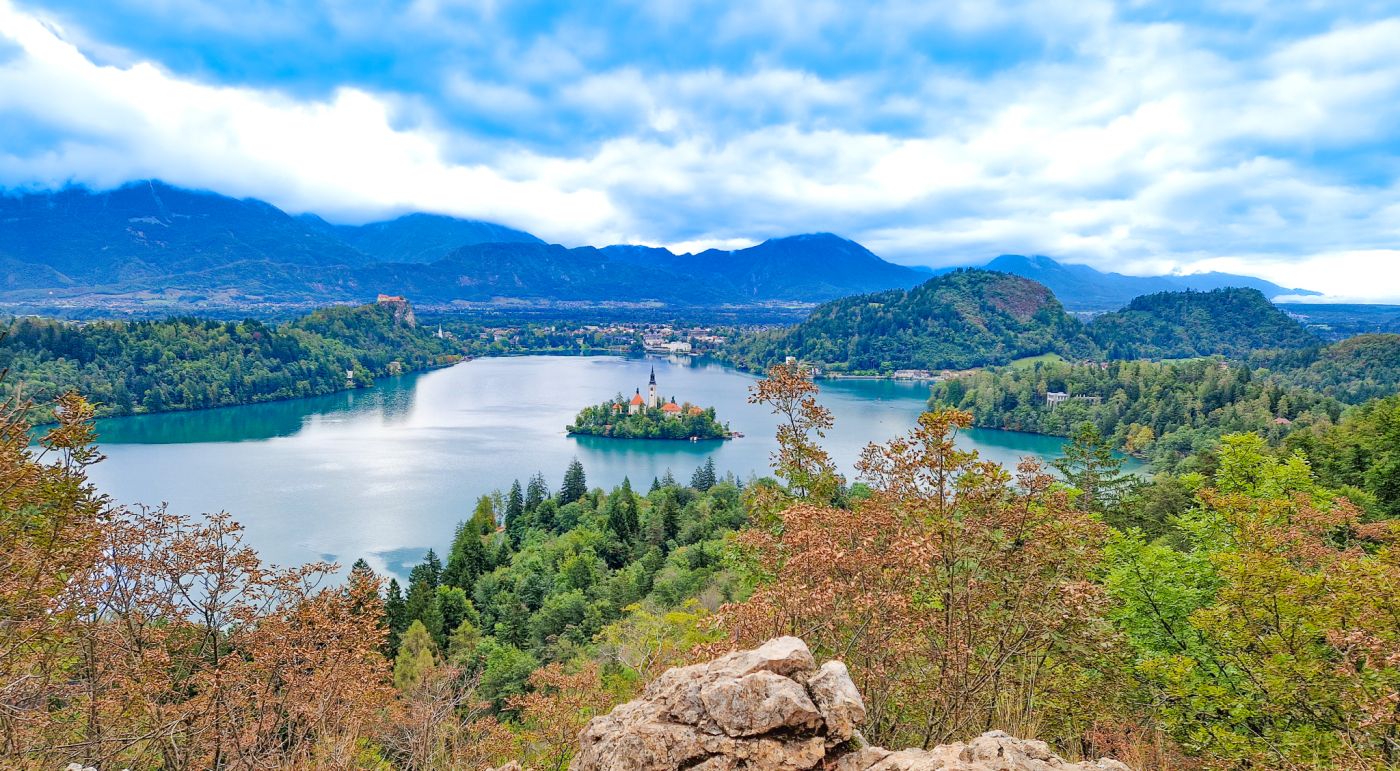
column 961, row 599
column 137, row 638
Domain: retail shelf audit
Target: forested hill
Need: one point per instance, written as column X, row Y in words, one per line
column 962, row 319
column 187, row 363
column 1230, row 322
column 973, row 318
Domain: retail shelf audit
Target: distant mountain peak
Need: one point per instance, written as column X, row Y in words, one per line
column 1082, row 287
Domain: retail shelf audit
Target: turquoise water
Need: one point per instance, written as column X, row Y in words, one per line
column 386, row 472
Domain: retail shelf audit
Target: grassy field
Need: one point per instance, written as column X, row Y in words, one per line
column 1031, row 361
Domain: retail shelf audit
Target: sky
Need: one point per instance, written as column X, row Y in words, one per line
column 1143, row 137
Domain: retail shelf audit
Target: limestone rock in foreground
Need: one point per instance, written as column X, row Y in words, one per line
column 773, row 709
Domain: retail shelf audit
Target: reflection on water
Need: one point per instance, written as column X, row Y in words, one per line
column 390, row 399
column 385, row 472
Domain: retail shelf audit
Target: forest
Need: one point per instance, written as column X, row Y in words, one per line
column 977, row 318
column 1239, row 614
column 1169, row 411
column 186, row 363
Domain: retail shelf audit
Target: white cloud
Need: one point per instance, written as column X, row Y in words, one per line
column 1134, row 147
column 341, row 155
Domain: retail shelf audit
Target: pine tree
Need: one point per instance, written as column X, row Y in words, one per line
column 515, row 506
column 453, row 608
column 421, row 602
column 501, row 558
column 704, row 477
column 1090, row 466
column 667, row 480
column 622, row 512
column 655, row 485
column 575, row 484
column 415, row 659
column 664, row 521
column 395, row 615
column 467, row 560
column 535, row 492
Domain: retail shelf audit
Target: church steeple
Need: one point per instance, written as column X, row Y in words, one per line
column 651, row 390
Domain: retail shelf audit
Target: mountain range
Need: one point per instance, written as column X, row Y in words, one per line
column 1083, row 288
column 149, row 244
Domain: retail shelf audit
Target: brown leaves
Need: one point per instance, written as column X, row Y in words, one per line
column 147, row 639
column 946, row 590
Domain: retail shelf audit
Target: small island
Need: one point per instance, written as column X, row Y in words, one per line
column 649, row 417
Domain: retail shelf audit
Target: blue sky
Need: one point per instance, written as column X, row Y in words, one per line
column 1240, row 135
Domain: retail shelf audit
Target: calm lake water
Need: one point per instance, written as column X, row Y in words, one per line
column 387, row 472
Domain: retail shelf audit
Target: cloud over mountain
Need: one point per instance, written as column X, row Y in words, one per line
column 1248, row 139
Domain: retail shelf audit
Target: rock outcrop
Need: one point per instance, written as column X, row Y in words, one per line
column 774, row 709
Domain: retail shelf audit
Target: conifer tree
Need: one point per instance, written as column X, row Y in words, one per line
column 1090, row 466
column 421, row 602
column 515, row 504
column 704, row 477
column 655, row 485
column 467, row 560
column 453, row 608
column 622, row 512
column 395, row 615
column 668, row 480
column 535, row 492
column 575, row 484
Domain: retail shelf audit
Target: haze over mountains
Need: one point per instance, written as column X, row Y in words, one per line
column 153, row 244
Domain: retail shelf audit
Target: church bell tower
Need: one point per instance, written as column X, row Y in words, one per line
column 651, row 391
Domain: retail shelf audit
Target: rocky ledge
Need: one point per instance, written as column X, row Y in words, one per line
column 774, row 709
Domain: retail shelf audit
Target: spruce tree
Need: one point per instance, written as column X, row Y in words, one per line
column 467, row 560
column 704, row 477
column 453, row 608
column 421, row 602
column 515, row 504
column 575, row 484
column 395, row 616
column 1090, row 466
column 667, row 480
column 622, row 512
column 655, row 485
column 535, row 492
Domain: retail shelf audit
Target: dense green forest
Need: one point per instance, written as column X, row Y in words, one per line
column 1165, row 411
column 187, row 363
column 614, row 419
column 967, row 318
column 1172, row 325
column 1352, row 370
column 976, row 318
column 538, row 576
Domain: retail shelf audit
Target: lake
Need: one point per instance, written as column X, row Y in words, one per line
column 383, row 473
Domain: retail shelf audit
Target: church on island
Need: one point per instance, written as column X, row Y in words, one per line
column 651, row 401
column 649, row 416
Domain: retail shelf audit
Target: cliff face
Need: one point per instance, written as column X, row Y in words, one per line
column 774, row 709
